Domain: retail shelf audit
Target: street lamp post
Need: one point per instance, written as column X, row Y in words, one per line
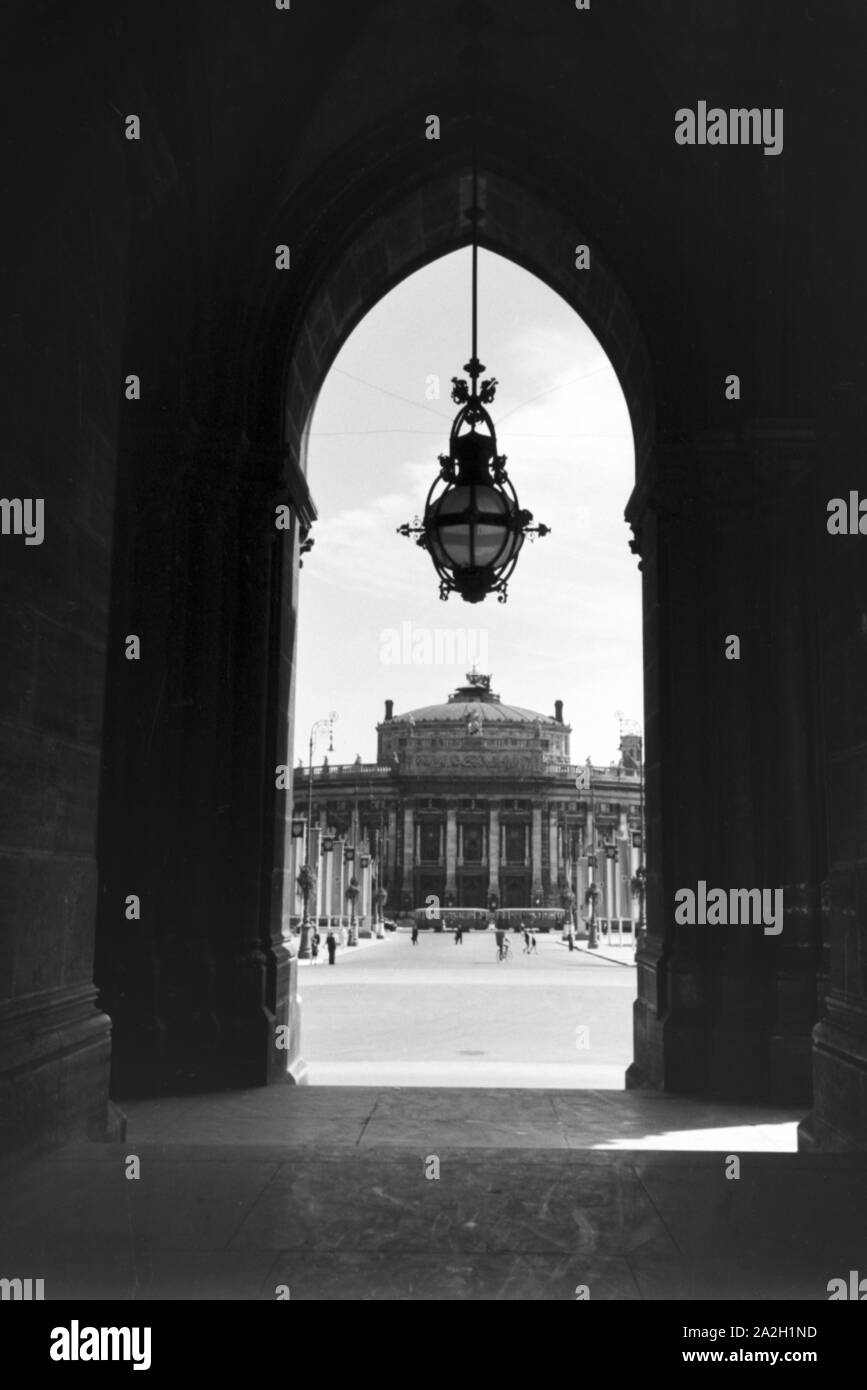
column 304, row 947
column 592, row 894
column 350, row 893
column 377, row 867
column 592, row 943
column 610, row 881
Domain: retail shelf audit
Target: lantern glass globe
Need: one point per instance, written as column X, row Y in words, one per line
column 481, row 535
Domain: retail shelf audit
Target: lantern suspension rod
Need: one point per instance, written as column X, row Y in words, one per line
column 475, row 353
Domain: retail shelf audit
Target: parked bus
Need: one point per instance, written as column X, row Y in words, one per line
column 470, row 918
column 537, row 919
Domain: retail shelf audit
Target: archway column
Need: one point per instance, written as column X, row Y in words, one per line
column 839, row 1116
column 731, row 773
column 202, row 992
column 155, row 972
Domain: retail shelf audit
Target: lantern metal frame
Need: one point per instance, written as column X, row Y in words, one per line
column 473, row 462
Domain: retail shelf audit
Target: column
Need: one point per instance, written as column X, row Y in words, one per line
column 623, row 861
column 322, row 865
column 494, row 851
column 621, row 865
column 536, row 852
column 553, row 858
column 363, row 905
column 730, row 1012
column 451, row 850
column 342, row 880
column 407, row 881
column 316, row 866
column 609, row 890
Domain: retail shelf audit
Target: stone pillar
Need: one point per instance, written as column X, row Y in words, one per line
column 391, row 856
column 341, row 879
column 622, row 862
column 315, row 863
column 162, row 778
column 727, row 1011
column 536, row 852
column 582, row 883
column 333, row 859
column 205, row 993
column 321, row 861
column 624, row 874
column 451, row 850
column 407, row 879
column 494, row 850
column 839, row 1056
column 553, row 859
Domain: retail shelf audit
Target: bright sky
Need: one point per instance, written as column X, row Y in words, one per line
column 571, row 628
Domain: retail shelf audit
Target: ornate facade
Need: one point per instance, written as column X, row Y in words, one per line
column 477, row 803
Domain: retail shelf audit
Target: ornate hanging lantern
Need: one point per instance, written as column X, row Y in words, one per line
column 473, row 526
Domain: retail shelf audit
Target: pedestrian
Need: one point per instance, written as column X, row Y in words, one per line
column 415, row 933
column 526, row 942
column 532, row 950
column 500, row 935
column 314, row 947
column 459, row 934
column 331, row 944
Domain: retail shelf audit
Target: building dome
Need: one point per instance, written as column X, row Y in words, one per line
column 476, row 699
column 473, row 728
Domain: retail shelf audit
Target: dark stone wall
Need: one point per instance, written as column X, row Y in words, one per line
column 306, row 127
column 63, row 268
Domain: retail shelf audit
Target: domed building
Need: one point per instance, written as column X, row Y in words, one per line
column 476, row 803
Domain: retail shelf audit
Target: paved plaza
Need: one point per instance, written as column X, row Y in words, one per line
column 552, row 1174
column 437, row 1014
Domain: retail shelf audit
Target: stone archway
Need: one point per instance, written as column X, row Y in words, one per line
column 706, row 1009
column 727, row 1016
column 309, row 133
